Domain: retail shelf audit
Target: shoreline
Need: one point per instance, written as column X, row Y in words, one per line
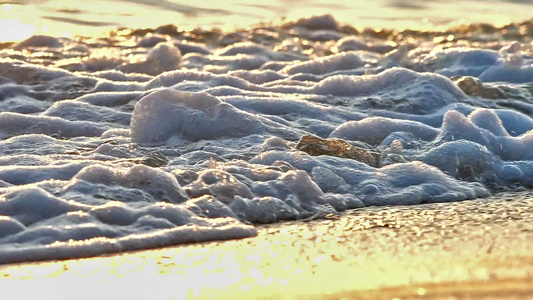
column 474, row 249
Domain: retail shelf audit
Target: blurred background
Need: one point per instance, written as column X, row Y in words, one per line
column 20, row 19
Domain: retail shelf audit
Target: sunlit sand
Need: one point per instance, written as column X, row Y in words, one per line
column 466, row 250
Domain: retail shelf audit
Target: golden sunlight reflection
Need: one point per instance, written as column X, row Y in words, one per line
column 228, row 271
column 366, row 253
column 17, row 30
column 76, row 17
column 297, row 260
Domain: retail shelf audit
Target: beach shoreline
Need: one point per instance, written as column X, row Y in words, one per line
column 476, row 249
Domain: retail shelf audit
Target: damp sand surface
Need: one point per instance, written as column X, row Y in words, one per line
column 476, row 249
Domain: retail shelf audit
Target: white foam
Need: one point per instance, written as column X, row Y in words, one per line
column 12, row 124
column 328, row 64
column 375, row 129
column 149, row 140
column 161, row 58
column 163, row 114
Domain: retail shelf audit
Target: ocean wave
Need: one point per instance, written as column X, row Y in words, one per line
column 150, row 138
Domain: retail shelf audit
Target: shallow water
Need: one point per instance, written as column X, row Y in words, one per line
column 75, row 17
column 154, row 137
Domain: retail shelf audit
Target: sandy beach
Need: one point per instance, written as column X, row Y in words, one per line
column 480, row 249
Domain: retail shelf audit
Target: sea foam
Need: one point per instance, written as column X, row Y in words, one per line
column 145, row 140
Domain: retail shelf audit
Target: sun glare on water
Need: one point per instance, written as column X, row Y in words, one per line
column 77, row 17
column 12, row 29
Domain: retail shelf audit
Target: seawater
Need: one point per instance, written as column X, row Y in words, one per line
column 148, row 138
column 75, row 17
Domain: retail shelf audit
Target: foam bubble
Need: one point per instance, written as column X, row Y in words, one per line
column 166, row 113
column 328, row 64
column 374, row 130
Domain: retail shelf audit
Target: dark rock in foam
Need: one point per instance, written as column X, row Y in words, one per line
column 336, row 147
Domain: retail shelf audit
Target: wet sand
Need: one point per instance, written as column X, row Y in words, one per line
column 480, row 249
